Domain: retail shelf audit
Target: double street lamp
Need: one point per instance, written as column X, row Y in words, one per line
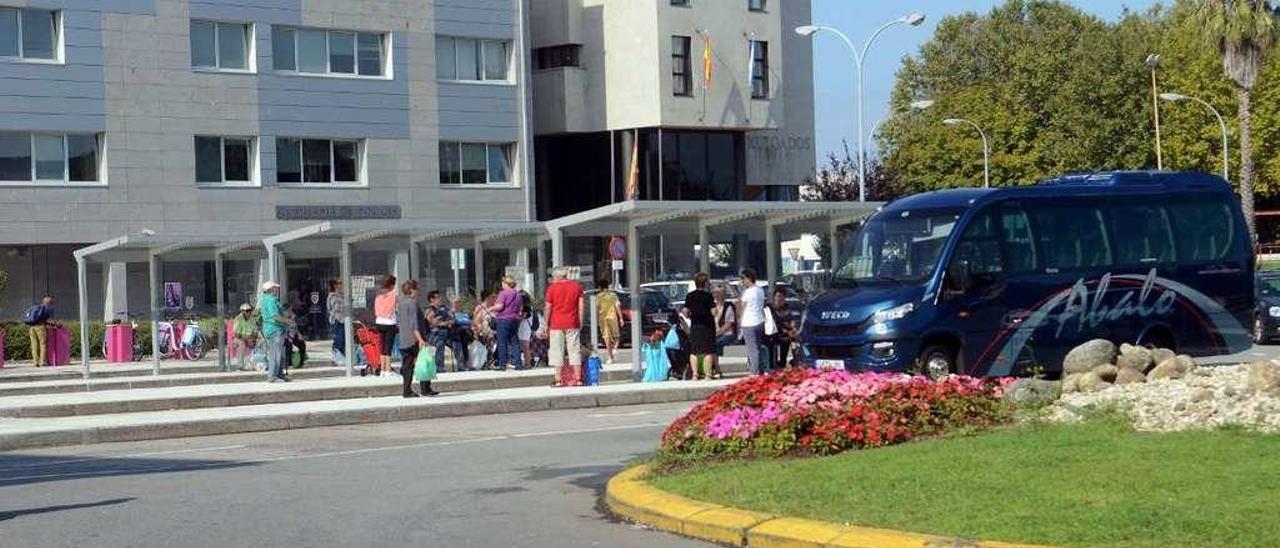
column 859, row 56
column 1222, row 124
column 986, row 148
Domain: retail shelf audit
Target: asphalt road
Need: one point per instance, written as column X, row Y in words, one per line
column 510, row 480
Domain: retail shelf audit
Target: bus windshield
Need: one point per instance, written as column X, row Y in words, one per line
column 896, row 248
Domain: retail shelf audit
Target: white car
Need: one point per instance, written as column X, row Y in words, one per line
column 676, row 290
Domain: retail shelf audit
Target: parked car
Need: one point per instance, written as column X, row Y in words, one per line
column 677, row 290
column 1266, row 319
column 656, row 313
column 795, row 299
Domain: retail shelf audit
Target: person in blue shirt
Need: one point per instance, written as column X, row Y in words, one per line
column 275, row 326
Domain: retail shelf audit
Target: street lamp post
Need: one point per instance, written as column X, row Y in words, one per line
column 1153, row 63
column 915, row 19
column 986, row 148
column 1222, row 124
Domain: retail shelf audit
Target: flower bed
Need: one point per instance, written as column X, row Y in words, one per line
column 805, row 411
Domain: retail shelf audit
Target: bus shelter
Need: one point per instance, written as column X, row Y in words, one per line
column 154, row 250
column 772, row 222
column 341, row 238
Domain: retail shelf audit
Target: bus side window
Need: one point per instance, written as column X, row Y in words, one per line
column 1205, row 230
column 1142, row 235
column 1071, row 237
column 1019, row 250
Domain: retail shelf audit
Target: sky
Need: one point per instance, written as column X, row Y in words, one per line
column 836, row 111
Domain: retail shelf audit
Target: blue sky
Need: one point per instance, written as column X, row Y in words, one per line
column 833, row 67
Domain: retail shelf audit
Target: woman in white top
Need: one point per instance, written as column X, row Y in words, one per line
column 751, row 322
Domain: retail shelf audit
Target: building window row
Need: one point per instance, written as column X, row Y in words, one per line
column 550, row 57
column 27, row 157
column 472, row 60
column 328, row 52
column 226, row 161
column 318, row 160
column 476, row 163
column 221, row 46
column 30, row 34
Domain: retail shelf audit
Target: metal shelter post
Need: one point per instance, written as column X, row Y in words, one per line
column 540, row 275
column 82, row 281
column 637, row 300
column 479, row 273
column 771, row 253
column 219, row 286
column 704, row 247
column 348, row 330
column 153, row 269
column 415, row 260
column 557, row 247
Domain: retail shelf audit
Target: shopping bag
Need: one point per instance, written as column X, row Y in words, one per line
column 672, row 340
column 592, row 371
column 424, row 368
column 770, row 325
column 259, row 358
column 656, row 365
column 479, row 353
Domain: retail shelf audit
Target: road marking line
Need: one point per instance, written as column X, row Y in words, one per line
column 611, row 415
column 125, row 456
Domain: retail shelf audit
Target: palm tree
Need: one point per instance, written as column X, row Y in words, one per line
column 1243, row 31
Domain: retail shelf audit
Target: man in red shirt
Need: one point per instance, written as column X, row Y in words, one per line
column 563, row 308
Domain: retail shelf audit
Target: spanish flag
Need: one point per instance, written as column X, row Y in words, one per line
column 707, row 62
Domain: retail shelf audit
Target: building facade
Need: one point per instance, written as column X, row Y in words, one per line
column 242, row 118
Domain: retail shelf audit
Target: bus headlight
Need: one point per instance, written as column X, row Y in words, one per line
column 895, row 313
column 1274, row 311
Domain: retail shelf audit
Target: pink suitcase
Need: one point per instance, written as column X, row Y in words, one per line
column 58, row 346
column 119, row 343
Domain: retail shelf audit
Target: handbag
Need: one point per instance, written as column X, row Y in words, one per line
column 424, row 368
column 770, row 324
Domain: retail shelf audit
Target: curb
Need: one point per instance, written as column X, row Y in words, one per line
column 192, row 423
column 629, row 496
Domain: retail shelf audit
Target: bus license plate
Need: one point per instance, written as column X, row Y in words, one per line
column 830, row 364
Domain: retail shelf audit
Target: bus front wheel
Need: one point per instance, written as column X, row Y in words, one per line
column 936, row 361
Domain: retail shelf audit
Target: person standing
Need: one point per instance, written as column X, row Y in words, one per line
column 752, row 322
column 411, row 324
column 39, row 318
column 702, row 327
column 337, row 307
column 244, row 330
column 563, row 308
column 507, row 311
column 440, row 325
column 384, row 320
column 608, row 317
column 484, row 326
column 788, row 324
column 274, row 326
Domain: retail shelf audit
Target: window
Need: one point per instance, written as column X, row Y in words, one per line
column 681, row 69
column 225, row 160
column 475, row 163
column 1142, row 235
column 1019, row 251
column 1071, row 237
column 557, row 56
column 1205, row 231
column 49, row 157
column 317, row 161
column 330, row 52
column 755, row 5
column 222, row 46
column 980, row 246
column 29, row 34
column 759, row 69
column 681, row 3
column 472, row 60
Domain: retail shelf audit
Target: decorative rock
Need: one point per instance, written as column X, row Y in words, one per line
column 1263, row 377
column 1135, row 357
column 1130, row 376
column 1168, row 369
column 1031, row 392
column 1089, row 355
column 1201, row 394
column 1091, row 382
column 1161, row 354
column 1107, row 372
column 1186, row 362
column 1071, row 383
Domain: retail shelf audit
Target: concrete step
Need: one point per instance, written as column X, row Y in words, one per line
column 41, row 432
column 147, row 380
column 27, row 373
column 205, row 396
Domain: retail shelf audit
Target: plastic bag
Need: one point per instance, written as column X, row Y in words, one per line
column 259, row 358
column 656, row 365
column 424, row 368
column 672, row 340
column 592, row 371
column 479, row 354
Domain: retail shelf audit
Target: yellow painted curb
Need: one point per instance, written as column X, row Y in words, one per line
column 629, row 496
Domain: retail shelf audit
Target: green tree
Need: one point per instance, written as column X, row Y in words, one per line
column 1243, row 32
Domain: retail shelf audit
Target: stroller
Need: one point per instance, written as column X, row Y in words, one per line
column 370, row 344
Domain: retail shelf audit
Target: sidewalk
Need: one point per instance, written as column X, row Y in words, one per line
column 39, row 432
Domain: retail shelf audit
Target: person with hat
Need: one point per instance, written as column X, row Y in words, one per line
column 274, row 326
column 244, row 331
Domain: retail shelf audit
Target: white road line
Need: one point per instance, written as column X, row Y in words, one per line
column 613, row 415
column 126, row 456
column 240, row 463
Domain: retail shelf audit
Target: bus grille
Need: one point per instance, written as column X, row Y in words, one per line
column 842, row 330
column 834, row 352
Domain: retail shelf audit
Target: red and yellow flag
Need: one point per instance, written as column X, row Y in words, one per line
column 707, row 61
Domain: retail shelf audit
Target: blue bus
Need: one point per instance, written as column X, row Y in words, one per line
column 994, row 282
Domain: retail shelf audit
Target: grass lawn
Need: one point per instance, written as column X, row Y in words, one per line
column 1095, row 484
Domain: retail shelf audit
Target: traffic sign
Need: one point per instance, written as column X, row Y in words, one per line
column 617, row 248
